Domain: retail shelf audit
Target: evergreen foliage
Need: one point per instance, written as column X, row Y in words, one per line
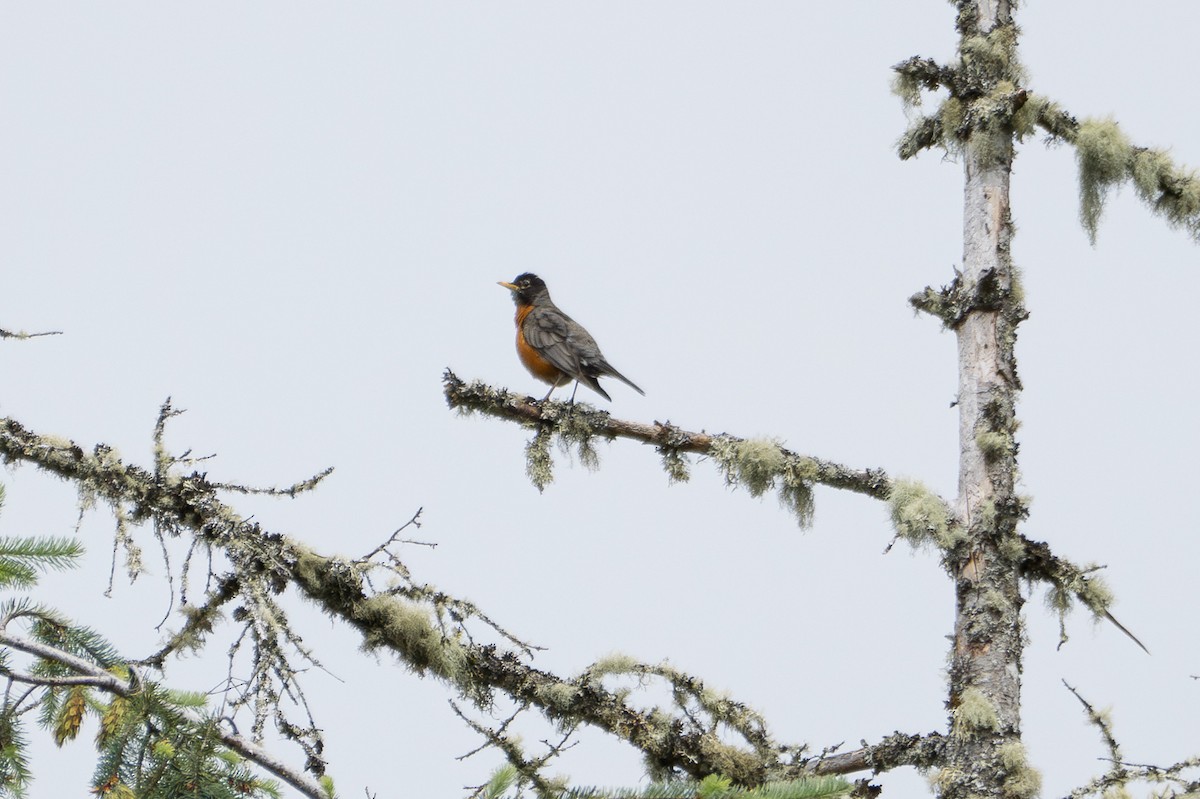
column 152, row 743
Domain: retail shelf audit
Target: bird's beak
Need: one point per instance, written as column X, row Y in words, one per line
column 508, row 286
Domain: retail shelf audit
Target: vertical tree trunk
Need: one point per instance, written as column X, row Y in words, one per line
column 985, row 753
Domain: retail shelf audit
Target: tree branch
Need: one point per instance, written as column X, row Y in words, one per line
column 582, row 421
column 927, row 73
column 1107, row 158
column 406, row 627
column 894, row 751
column 572, row 422
column 21, row 334
column 1069, row 580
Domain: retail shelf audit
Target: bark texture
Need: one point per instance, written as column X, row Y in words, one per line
column 985, row 671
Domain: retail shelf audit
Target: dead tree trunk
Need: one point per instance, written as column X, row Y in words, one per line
column 985, row 750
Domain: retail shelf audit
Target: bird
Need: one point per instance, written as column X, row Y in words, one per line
column 553, row 346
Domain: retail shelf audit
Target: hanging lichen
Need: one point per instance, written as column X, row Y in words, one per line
column 539, row 463
column 920, row 517
column 1104, row 155
column 760, row 464
column 1021, row 780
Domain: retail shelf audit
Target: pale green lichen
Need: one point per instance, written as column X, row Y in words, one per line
column 985, row 516
column 577, row 428
column 1012, row 755
column 760, row 464
column 990, row 144
column 753, row 463
column 58, row 441
column 1168, row 189
column 940, row 780
column 796, row 493
column 975, row 713
column 921, row 134
column 996, row 602
column 1095, row 594
column 718, row 702
column 907, row 88
column 1092, row 591
column 953, row 114
column 994, row 444
column 539, row 464
column 1012, row 548
column 615, row 663
column 1148, row 170
column 409, row 629
column 1182, row 206
column 1058, row 599
column 676, row 465
column 1105, row 156
column 920, row 517
column 1035, row 108
column 993, row 53
column 559, row 695
column 1016, row 289
column 1021, row 780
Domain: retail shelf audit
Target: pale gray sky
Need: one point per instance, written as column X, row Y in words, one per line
column 291, row 217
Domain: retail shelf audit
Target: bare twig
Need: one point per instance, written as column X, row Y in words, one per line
column 1102, row 723
column 415, row 521
column 21, row 334
column 291, row 491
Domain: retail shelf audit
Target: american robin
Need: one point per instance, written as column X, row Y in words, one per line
column 553, row 346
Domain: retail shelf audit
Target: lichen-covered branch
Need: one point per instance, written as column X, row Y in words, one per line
column 410, row 628
column 422, row 626
column 896, row 750
column 985, row 101
column 951, row 304
column 1120, row 774
column 1068, row 581
column 1108, row 159
column 917, row 74
column 755, row 464
column 919, row 516
column 528, row 770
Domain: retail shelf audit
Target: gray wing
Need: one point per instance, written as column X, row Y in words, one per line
column 562, row 342
column 567, row 344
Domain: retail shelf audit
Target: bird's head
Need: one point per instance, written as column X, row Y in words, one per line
column 526, row 288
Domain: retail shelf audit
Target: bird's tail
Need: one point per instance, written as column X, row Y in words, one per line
column 611, row 371
column 594, row 384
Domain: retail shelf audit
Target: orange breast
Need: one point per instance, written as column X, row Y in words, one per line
column 538, row 366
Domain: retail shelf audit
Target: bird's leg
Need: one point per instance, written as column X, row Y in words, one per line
column 551, row 391
column 573, row 392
